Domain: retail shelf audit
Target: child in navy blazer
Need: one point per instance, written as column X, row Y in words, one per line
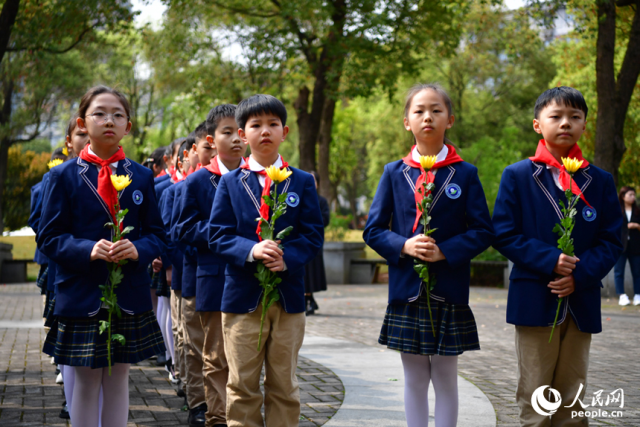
column 461, row 230
column 73, row 235
column 193, row 229
column 261, row 121
column 526, row 209
column 192, row 327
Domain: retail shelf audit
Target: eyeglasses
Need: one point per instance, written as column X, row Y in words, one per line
column 101, row 118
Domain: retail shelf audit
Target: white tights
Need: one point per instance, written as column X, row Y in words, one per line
column 85, row 409
column 164, row 321
column 418, row 372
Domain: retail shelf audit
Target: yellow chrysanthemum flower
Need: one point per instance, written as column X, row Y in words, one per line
column 65, row 151
column 277, row 175
column 427, row 162
column 120, row 182
column 55, row 162
column 572, row 165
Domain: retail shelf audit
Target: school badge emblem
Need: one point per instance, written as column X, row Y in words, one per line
column 589, row 214
column 137, row 197
column 453, row 191
column 293, row 200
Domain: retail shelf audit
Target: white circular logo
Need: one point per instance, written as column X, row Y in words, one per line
column 541, row 405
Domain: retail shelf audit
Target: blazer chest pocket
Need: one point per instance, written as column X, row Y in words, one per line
column 208, row 270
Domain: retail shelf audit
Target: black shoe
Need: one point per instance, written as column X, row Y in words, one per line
column 180, row 392
column 197, row 416
column 309, row 310
column 64, row 413
column 162, row 360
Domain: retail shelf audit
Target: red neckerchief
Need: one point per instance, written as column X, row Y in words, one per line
column 163, row 173
column 543, row 155
column 106, row 189
column 264, row 208
column 428, row 176
column 198, row 167
column 173, row 171
column 214, row 167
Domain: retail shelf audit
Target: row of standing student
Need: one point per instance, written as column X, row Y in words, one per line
column 216, row 216
column 525, row 212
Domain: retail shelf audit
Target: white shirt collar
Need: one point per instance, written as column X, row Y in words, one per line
column 113, row 165
column 223, row 169
column 257, row 167
column 442, row 155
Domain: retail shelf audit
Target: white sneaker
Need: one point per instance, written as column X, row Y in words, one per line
column 636, row 299
column 624, row 300
column 59, row 379
column 53, row 360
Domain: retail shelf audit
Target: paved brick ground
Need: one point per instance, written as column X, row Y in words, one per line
column 30, row 397
column 356, row 312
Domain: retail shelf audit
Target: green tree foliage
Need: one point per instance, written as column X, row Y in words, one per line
column 25, row 170
column 41, row 69
column 337, row 47
column 575, row 58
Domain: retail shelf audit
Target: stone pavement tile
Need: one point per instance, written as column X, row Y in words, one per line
column 30, row 396
column 355, row 312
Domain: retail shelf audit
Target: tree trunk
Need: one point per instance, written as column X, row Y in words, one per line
column 307, row 145
column 7, row 19
column 5, row 143
column 325, row 147
column 4, row 161
column 613, row 96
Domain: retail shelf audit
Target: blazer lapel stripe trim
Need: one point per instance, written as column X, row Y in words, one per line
column 589, row 179
column 213, row 180
column 452, row 171
column 85, row 167
column 248, row 189
column 125, row 166
column 405, row 171
column 535, row 175
column 287, row 183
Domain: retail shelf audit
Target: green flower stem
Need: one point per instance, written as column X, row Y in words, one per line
column 566, row 245
column 268, row 284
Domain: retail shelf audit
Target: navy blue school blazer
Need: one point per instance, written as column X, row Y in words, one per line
column 460, row 214
column 232, row 235
column 37, row 197
column 72, row 222
column 524, row 215
column 190, row 259
column 173, row 256
column 159, row 179
column 161, row 186
column 192, row 228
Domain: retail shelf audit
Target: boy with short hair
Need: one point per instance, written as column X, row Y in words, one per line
column 202, row 146
column 525, row 212
column 261, row 121
column 221, row 135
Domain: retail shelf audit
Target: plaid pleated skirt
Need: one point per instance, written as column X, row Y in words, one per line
column 159, row 282
column 407, row 328
column 41, row 282
column 49, row 308
column 76, row 341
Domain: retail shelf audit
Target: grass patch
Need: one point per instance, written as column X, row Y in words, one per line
column 24, row 247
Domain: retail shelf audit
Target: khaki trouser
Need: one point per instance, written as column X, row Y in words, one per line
column 281, row 340
column 193, row 342
column 178, row 337
column 561, row 365
column 215, row 369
